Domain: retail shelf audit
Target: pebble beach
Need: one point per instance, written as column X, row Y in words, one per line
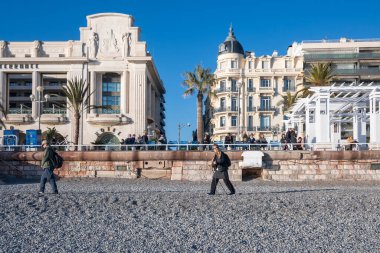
column 119, row 215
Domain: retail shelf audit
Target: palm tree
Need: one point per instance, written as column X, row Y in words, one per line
column 200, row 82
column 289, row 99
column 320, row 74
column 78, row 96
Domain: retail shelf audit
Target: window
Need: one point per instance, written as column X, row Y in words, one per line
column 250, row 122
column 111, row 93
column 250, row 103
column 233, row 104
column 233, row 64
column 288, row 85
column 234, row 121
column 223, row 103
column 222, row 85
column 265, row 103
column 265, row 83
column 249, row 65
column 265, row 64
column 265, row 122
column 19, row 99
column 222, row 65
column 233, row 85
column 250, row 85
column 222, row 121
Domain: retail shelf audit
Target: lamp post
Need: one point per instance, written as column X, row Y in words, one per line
column 39, row 102
column 180, row 126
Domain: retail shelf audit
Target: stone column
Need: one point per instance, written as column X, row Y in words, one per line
column 36, row 79
column 137, row 97
column 93, row 100
column 322, row 117
column 374, row 105
column 359, row 125
column 3, row 90
column 123, row 93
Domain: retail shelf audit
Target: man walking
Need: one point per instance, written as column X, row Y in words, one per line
column 48, row 167
column 220, row 163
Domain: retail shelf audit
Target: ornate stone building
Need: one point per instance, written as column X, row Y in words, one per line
column 110, row 57
column 249, row 89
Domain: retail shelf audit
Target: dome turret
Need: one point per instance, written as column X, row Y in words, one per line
column 231, row 45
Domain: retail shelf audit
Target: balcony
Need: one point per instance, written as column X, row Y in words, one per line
column 54, row 110
column 264, row 129
column 330, row 57
column 224, row 89
column 266, row 109
column 251, row 89
column 251, row 109
column 371, row 71
column 226, row 109
column 291, row 88
column 21, row 110
column 251, row 128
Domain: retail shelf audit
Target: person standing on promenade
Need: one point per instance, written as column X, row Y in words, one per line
column 48, row 167
column 220, row 164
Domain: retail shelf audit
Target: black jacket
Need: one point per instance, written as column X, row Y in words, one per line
column 222, row 163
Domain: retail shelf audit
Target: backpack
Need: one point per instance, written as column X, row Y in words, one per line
column 228, row 161
column 57, row 160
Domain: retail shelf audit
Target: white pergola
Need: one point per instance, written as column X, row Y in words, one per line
column 319, row 116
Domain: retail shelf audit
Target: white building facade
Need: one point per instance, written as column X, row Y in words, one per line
column 248, row 91
column 114, row 62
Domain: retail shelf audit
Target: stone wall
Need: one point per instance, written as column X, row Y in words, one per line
column 195, row 166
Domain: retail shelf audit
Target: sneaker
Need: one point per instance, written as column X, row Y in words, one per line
column 56, row 192
column 210, row 193
column 40, row 192
column 231, row 193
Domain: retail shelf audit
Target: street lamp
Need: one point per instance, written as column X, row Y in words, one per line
column 180, row 126
column 40, row 102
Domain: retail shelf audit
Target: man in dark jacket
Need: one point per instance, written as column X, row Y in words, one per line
column 48, row 167
column 220, row 164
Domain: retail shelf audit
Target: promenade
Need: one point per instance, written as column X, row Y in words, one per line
column 120, row 215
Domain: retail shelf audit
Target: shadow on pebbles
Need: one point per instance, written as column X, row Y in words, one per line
column 115, row 215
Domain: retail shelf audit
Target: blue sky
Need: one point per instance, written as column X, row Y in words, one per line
column 181, row 34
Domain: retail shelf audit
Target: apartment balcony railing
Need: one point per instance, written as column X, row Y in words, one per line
column 224, row 89
column 251, row 109
column 266, row 109
column 266, row 88
column 289, row 88
column 226, row 109
column 108, row 111
column 251, row 128
column 354, row 56
column 54, row 111
column 374, row 71
column 264, row 129
column 251, row 89
column 19, row 111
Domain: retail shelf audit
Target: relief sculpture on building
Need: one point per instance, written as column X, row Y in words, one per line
column 93, row 45
column 127, row 41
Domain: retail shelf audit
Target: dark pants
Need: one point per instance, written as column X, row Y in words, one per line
column 226, row 179
column 48, row 176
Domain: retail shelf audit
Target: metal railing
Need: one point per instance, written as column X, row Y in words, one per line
column 251, row 89
column 54, row 110
column 174, row 146
column 251, row 109
column 266, row 109
column 226, row 89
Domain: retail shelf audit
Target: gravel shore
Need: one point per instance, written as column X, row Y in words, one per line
column 115, row 215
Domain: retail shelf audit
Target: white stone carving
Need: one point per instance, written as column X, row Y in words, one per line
column 93, row 45
column 3, row 47
column 37, row 48
column 109, row 43
column 127, row 42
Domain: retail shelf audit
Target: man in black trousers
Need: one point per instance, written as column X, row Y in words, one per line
column 220, row 164
column 48, row 167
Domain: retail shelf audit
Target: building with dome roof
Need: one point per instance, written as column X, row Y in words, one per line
column 249, row 89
